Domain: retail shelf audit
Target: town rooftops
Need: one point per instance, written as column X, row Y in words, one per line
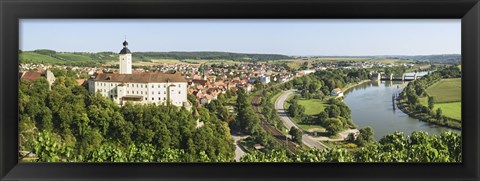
column 30, row 76
column 141, row 78
column 80, row 81
column 200, row 82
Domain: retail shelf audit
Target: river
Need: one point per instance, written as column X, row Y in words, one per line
column 372, row 105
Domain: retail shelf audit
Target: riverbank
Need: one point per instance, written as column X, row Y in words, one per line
column 371, row 105
column 354, row 85
column 450, row 123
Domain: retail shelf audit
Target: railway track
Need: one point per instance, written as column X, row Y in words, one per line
column 277, row 134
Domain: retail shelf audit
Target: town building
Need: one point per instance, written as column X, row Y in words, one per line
column 32, row 76
column 306, row 72
column 337, row 92
column 265, row 79
column 146, row 87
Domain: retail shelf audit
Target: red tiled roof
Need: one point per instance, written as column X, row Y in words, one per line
column 80, row 81
column 200, row 82
column 31, row 75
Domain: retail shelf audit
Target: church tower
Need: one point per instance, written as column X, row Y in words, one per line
column 125, row 59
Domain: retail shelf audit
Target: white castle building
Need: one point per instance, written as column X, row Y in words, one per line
column 157, row 88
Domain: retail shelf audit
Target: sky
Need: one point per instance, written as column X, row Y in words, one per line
column 287, row 37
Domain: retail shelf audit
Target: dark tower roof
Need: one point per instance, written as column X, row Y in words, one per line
column 125, row 50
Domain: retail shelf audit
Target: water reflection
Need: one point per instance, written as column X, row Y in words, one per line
column 372, row 104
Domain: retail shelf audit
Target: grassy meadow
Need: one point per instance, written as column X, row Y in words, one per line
column 446, row 90
column 310, row 110
column 65, row 58
column 452, row 109
column 447, row 96
column 312, row 106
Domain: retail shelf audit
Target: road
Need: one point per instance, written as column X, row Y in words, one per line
column 238, row 151
column 282, row 113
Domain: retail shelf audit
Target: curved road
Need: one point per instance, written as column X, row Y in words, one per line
column 282, row 113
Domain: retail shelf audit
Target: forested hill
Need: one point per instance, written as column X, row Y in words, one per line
column 83, row 58
column 211, row 56
column 446, row 58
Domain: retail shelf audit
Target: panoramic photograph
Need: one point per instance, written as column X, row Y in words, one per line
column 240, row 90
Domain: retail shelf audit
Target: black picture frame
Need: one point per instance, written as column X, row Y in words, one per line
column 466, row 10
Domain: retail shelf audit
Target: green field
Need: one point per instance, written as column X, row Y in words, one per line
column 52, row 57
column 452, row 110
column 32, row 57
column 302, row 126
column 312, row 106
column 446, row 90
column 447, row 96
column 74, row 57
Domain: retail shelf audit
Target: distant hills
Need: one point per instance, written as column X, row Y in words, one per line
column 210, row 56
column 88, row 59
column 443, row 58
column 82, row 58
column 446, row 58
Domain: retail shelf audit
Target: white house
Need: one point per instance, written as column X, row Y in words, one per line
column 157, row 88
column 306, row 72
column 337, row 92
column 265, row 79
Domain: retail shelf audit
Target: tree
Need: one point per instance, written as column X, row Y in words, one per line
column 412, row 99
column 296, row 135
column 365, row 136
column 333, row 125
column 293, row 109
column 431, row 101
column 192, row 99
column 321, row 118
column 333, row 111
column 439, row 113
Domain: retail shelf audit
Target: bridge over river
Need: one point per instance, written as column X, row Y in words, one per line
column 405, row 77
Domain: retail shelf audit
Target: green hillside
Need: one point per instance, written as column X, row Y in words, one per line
column 32, row 57
column 88, row 59
column 61, row 58
column 210, row 56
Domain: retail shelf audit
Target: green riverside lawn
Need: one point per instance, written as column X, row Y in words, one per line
column 447, row 96
column 446, row 90
column 312, row 107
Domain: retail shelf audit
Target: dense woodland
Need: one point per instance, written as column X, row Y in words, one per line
column 67, row 123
